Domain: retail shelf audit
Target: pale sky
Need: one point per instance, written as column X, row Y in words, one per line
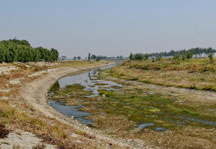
column 110, row 27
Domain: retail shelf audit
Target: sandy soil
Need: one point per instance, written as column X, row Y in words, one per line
column 35, row 94
column 23, row 140
column 7, row 69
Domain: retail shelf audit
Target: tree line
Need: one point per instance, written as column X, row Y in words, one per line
column 14, row 50
column 182, row 54
column 100, row 57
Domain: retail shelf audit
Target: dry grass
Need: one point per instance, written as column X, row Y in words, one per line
column 80, row 64
column 194, row 74
column 15, row 113
column 49, row 130
column 189, row 136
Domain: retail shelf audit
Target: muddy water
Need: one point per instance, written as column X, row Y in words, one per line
column 89, row 81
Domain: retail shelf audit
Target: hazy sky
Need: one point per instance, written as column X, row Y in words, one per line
column 110, row 27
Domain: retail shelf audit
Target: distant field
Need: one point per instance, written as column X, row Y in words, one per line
column 194, row 73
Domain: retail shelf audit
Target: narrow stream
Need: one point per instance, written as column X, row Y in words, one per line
column 89, row 81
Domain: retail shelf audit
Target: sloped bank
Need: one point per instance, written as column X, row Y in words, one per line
column 35, row 94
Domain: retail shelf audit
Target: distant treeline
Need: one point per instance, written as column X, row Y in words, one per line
column 100, row 57
column 14, row 50
column 172, row 53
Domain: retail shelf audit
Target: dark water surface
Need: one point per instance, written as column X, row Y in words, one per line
column 71, row 111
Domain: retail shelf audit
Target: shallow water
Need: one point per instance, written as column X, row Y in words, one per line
column 89, row 81
column 198, row 120
column 159, row 129
column 71, row 111
column 144, row 125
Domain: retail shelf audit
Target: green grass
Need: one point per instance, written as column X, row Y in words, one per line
column 70, row 93
column 151, row 108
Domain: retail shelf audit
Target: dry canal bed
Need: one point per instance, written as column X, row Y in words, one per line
column 124, row 109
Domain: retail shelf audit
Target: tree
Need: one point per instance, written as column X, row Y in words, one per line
column 211, row 57
column 146, row 56
column 189, row 55
column 131, row 57
column 94, row 57
column 89, row 56
column 138, row 56
column 20, row 50
column 36, row 55
column 11, row 56
column 2, row 54
column 54, row 54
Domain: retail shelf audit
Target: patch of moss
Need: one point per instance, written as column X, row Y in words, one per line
column 69, row 92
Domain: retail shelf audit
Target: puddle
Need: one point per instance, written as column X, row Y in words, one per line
column 182, row 120
column 147, row 124
column 198, row 120
column 161, row 129
column 144, row 125
column 71, row 111
column 175, row 121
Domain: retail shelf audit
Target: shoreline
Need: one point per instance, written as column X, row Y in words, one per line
column 35, row 94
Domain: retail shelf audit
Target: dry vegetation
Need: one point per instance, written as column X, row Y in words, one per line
column 194, row 74
column 16, row 114
column 140, row 102
column 119, row 112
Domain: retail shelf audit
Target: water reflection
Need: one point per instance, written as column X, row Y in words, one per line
column 89, row 81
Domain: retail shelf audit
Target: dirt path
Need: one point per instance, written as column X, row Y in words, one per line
column 35, row 94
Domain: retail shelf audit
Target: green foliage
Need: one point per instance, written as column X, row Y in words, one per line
column 131, row 57
column 189, row 55
column 183, row 54
column 158, row 58
column 14, row 50
column 194, row 51
column 146, row 56
column 89, row 56
column 211, row 57
column 176, row 57
column 138, row 56
column 182, row 57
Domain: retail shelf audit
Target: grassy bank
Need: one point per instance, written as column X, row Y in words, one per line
column 194, row 73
